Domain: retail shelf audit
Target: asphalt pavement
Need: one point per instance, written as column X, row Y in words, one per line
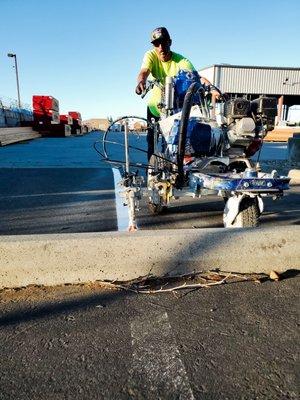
column 54, row 185
column 233, row 341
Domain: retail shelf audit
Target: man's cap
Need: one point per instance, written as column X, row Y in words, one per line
column 160, row 33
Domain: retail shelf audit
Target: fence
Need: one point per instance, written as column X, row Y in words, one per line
column 11, row 115
column 9, row 102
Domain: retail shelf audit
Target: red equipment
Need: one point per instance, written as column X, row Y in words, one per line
column 75, row 115
column 66, row 119
column 45, row 103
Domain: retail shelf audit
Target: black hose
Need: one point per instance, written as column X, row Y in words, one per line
column 115, row 121
column 185, row 114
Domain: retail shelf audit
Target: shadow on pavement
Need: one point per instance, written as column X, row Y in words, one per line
column 56, row 307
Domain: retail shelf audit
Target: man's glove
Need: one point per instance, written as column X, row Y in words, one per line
column 140, row 88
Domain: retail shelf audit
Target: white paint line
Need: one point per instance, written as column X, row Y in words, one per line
column 121, row 210
column 157, row 370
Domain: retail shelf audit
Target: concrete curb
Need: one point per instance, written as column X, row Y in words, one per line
column 294, row 174
column 73, row 258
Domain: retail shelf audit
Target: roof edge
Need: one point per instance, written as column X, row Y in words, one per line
column 250, row 66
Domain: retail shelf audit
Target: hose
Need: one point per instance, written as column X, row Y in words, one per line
column 185, row 114
column 104, row 153
column 112, row 123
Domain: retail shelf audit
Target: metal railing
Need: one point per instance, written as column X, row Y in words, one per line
column 10, row 103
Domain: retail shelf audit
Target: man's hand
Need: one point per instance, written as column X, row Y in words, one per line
column 142, row 78
column 140, row 87
column 219, row 96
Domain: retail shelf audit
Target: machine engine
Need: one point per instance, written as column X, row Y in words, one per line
column 265, row 108
column 237, row 108
column 248, row 121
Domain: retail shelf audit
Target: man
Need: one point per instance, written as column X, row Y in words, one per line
column 159, row 62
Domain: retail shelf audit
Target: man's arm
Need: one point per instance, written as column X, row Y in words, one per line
column 204, row 81
column 141, row 80
column 215, row 94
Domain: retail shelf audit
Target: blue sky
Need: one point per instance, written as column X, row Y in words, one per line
column 87, row 53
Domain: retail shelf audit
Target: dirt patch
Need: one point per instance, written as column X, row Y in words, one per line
column 34, row 293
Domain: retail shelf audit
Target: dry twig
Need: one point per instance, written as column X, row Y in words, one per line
column 173, row 289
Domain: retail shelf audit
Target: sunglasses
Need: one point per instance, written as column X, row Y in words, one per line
column 160, row 42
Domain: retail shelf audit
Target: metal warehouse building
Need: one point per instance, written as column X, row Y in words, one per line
column 252, row 81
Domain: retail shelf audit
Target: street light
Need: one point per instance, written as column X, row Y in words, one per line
column 17, row 75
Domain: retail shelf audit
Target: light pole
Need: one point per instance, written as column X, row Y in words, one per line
column 17, row 76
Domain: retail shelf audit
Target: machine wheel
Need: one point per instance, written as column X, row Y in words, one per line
column 157, row 164
column 248, row 214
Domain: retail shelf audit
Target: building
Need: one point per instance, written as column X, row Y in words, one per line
column 253, row 81
column 97, row 124
column 139, row 126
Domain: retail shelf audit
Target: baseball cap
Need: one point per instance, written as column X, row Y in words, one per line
column 160, row 33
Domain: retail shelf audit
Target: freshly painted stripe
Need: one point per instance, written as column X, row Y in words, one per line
column 157, row 370
column 121, row 210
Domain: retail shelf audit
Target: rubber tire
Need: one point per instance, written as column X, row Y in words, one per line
column 248, row 215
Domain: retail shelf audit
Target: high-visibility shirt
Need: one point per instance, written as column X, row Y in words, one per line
column 159, row 70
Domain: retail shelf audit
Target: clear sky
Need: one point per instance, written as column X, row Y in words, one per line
column 87, row 53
